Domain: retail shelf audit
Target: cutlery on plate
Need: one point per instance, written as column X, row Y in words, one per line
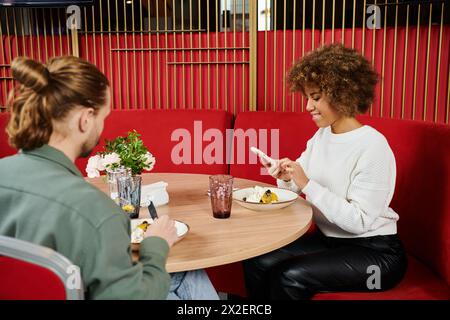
column 152, row 211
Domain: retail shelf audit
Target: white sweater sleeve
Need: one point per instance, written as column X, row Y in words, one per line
column 290, row 185
column 369, row 193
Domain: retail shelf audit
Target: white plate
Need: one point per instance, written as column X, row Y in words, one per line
column 137, row 234
column 285, row 198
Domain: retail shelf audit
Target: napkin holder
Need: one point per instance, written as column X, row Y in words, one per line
column 156, row 193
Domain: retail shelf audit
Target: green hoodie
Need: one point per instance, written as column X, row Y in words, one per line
column 45, row 200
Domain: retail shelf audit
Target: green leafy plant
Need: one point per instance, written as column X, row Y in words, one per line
column 132, row 152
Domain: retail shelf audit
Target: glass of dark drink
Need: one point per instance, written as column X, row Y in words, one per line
column 221, row 194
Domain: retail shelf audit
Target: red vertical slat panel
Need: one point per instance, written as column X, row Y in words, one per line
column 149, row 96
column 432, row 73
column 409, row 81
column 443, row 76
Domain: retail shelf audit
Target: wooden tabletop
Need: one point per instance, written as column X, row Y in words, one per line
column 212, row 242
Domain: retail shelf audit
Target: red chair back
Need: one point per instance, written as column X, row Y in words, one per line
column 22, row 280
column 32, row 272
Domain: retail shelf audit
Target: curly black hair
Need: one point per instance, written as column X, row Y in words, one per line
column 342, row 74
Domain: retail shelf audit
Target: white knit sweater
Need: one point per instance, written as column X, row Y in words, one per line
column 352, row 181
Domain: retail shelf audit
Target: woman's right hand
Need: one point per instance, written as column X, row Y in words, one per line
column 276, row 170
column 163, row 227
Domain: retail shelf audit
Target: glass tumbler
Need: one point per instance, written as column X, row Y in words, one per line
column 221, row 194
column 129, row 195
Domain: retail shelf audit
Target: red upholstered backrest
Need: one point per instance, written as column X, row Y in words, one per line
column 5, row 148
column 422, row 152
column 21, row 280
column 294, row 131
column 156, row 128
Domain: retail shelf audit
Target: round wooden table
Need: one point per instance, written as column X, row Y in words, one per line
column 212, row 242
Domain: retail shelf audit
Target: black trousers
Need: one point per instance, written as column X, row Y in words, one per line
column 316, row 263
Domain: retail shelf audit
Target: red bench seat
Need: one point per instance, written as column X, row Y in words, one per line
column 422, row 152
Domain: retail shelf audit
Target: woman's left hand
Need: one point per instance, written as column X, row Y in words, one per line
column 297, row 173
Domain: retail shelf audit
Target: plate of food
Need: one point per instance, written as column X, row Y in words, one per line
column 264, row 198
column 139, row 227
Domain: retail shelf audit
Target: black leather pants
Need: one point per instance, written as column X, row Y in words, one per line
column 316, row 263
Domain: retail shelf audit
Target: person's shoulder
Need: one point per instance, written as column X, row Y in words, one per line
column 10, row 161
column 57, row 187
column 18, row 166
column 319, row 134
column 24, row 163
column 375, row 144
column 89, row 202
column 374, row 137
column 321, row 131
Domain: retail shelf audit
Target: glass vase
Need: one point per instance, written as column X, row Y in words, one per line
column 129, row 195
column 112, row 175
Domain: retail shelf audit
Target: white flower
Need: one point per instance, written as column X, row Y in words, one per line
column 110, row 159
column 149, row 161
column 98, row 163
column 93, row 173
column 92, row 166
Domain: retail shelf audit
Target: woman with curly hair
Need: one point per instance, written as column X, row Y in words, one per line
column 347, row 173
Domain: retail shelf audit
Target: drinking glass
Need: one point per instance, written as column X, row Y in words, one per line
column 129, row 195
column 112, row 176
column 221, row 194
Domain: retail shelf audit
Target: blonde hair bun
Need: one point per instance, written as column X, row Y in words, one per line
column 48, row 93
column 30, row 73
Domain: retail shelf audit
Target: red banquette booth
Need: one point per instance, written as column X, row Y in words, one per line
column 422, row 152
column 228, row 73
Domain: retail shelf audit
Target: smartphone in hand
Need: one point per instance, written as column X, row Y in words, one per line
column 264, row 156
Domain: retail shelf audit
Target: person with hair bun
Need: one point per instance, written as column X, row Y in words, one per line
column 57, row 115
column 347, row 173
column 41, row 106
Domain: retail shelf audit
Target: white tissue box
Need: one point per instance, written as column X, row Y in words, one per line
column 155, row 192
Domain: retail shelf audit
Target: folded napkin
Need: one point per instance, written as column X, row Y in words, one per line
column 155, row 192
